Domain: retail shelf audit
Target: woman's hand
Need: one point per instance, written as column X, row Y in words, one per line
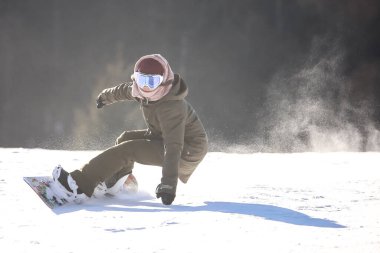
column 166, row 193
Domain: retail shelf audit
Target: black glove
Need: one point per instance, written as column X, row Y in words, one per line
column 100, row 102
column 166, row 193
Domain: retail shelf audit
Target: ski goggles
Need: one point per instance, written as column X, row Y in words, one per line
column 152, row 81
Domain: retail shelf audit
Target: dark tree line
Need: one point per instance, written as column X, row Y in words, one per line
column 255, row 69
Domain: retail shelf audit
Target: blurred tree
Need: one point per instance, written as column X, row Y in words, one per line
column 55, row 56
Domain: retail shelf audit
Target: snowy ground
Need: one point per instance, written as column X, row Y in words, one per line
column 310, row 202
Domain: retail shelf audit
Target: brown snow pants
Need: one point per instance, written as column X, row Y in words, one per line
column 117, row 161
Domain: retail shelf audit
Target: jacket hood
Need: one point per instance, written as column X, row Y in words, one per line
column 178, row 91
column 168, row 75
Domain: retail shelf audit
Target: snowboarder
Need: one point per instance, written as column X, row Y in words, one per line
column 175, row 138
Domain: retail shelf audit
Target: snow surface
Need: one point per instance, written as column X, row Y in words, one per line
column 302, row 202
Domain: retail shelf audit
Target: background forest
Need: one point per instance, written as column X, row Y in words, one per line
column 264, row 76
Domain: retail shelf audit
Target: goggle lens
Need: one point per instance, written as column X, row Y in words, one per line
column 152, row 81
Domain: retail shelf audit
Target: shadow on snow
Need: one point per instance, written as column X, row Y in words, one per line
column 268, row 212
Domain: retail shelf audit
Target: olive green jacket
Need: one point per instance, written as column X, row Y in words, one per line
column 174, row 120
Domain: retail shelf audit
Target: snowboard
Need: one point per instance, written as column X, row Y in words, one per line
column 44, row 187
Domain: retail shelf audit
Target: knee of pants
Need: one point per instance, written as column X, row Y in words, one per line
column 121, row 138
column 118, row 140
column 131, row 135
column 142, row 151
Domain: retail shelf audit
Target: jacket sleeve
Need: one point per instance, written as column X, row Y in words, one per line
column 172, row 118
column 120, row 92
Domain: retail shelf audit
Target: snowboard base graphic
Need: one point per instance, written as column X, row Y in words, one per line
column 43, row 186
